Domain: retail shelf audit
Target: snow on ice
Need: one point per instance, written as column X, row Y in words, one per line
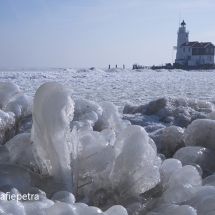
column 82, row 156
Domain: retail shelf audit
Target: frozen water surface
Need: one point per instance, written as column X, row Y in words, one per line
column 111, row 142
column 119, row 87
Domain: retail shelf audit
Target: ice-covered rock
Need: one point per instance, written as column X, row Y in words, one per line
column 20, row 105
column 116, row 210
column 60, row 208
column 211, row 115
column 201, row 156
column 14, row 106
column 7, row 122
column 20, row 152
column 12, row 207
column 177, row 194
column 95, row 161
column 201, row 133
column 136, row 168
column 187, row 175
column 168, row 168
column 84, row 150
column 25, row 124
column 209, row 181
column 73, row 209
column 202, row 200
column 86, row 113
column 171, row 139
column 178, row 210
column 52, row 114
column 110, row 119
column 12, row 100
column 7, row 91
column 14, row 176
column 178, row 111
column 64, row 196
column 35, row 207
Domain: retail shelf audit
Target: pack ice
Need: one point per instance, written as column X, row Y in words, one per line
column 81, row 157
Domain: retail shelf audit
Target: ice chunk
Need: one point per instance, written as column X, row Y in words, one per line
column 20, row 104
column 109, row 136
column 201, row 156
column 25, row 124
column 177, row 194
column 40, row 193
column 61, row 208
column 84, row 209
column 83, row 106
column 14, row 176
column 162, row 208
column 12, row 100
column 168, row 168
column 20, row 151
column 116, row 210
column 211, row 115
column 171, row 140
column 12, row 207
column 7, row 91
column 134, row 204
column 131, row 109
column 178, row 111
column 86, row 113
column 203, row 199
column 177, row 210
column 64, row 196
column 73, row 209
column 52, row 114
column 110, row 119
column 182, row 210
column 105, row 199
column 201, row 133
column 7, row 122
column 209, row 181
column 35, row 207
column 95, row 162
column 136, row 166
column 153, row 107
column 187, row 175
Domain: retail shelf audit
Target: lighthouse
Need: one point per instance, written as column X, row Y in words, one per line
column 182, row 38
column 192, row 53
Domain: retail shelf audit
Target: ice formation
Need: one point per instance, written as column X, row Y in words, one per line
column 50, row 135
column 198, row 155
column 14, row 106
column 80, row 157
column 201, row 133
column 180, row 111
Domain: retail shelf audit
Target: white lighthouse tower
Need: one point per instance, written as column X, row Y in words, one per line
column 182, row 38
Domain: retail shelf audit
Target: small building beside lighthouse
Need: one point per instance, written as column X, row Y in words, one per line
column 192, row 53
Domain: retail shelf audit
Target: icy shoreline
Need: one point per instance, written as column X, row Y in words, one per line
column 76, row 152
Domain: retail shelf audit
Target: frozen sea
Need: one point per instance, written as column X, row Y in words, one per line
column 61, row 138
column 116, row 85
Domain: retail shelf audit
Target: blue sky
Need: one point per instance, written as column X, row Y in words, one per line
column 86, row 33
